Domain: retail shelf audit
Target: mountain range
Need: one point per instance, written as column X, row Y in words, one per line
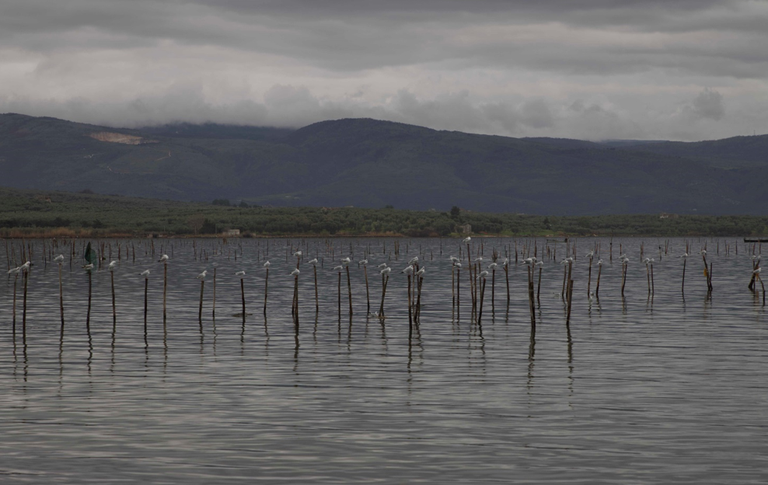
column 370, row 163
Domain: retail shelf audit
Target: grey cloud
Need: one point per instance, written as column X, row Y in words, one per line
column 504, row 117
column 479, row 66
column 352, row 35
column 454, row 111
column 536, row 114
column 707, row 105
column 296, row 106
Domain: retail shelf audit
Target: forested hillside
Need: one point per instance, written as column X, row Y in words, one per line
column 373, row 164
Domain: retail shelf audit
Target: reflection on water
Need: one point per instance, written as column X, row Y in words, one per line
column 635, row 388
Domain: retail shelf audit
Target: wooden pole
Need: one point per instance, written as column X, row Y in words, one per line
column 349, row 289
column 538, row 286
column 410, row 315
column 384, row 281
column 565, row 275
column 242, row 296
column 685, row 261
column 493, row 289
column 24, row 308
column 296, row 299
column 453, row 284
column 146, row 288
column 213, row 311
column 624, row 265
column 114, row 308
column 482, row 296
column 648, row 275
column 317, row 298
column 61, row 298
column 506, row 275
column 418, row 299
column 458, row 291
column 266, row 287
column 165, row 287
column 752, row 279
column 88, row 314
column 471, row 282
column 15, row 281
column 367, row 293
column 707, row 271
column 599, row 271
column 200, row 311
column 531, row 305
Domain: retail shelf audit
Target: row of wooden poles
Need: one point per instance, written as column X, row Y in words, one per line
column 524, row 249
column 477, row 283
column 390, row 248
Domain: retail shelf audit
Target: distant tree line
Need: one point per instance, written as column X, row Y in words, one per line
column 102, row 214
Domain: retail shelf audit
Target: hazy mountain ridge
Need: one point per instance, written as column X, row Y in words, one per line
column 369, row 163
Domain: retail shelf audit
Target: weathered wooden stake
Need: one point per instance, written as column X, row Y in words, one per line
column 531, row 304
column 410, row 315
column 367, row 293
column 624, row 266
column 482, row 296
column 339, row 294
column 349, row 290
column 61, row 298
column 599, row 271
column 146, row 287
column 200, row 311
column 453, row 283
column 506, row 276
column 165, row 287
column 417, row 312
column 648, row 275
column 15, row 280
column 317, row 298
column 24, row 308
column 88, row 314
column 538, row 286
column 242, row 296
column 296, row 299
column 493, row 289
column 266, row 288
column 114, row 308
column 565, row 275
column 384, row 281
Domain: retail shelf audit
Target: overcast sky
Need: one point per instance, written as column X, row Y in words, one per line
column 589, row 69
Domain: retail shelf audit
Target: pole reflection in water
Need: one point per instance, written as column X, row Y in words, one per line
column 296, row 346
column 570, row 360
column 531, row 359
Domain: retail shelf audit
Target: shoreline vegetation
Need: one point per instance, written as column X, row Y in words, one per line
column 30, row 214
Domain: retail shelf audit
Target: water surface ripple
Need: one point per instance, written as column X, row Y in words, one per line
column 634, row 390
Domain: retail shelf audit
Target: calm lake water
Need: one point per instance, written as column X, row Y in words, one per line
column 633, row 390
